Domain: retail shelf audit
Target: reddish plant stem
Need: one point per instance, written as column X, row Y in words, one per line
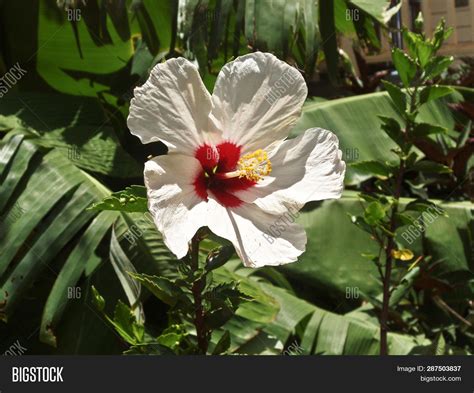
column 388, row 266
column 391, row 242
column 199, row 323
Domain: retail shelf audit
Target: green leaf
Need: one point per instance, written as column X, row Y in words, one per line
column 393, row 130
column 98, row 153
column 330, row 333
column 162, row 287
column 434, row 92
column 405, row 66
column 437, row 65
column 404, row 219
column 374, row 213
column 123, row 267
column 223, row 344
column 9, row 150
column 311, row 330
column 12, row 122
column 400, row 290
column 171, row 337
column 420, row 205
column 80, row 131
column 225, row 294
column 219, row 256
column 361, row 223
column 270, row 29
column 219, row 317
column 367, row 30
column 46, row 196
column 312, row 36
column 70, row 274
column 441, row 34
column 424, row 129
column 56, row 226
column 424, row 52
column 440, row 345
column 376, row 168
column 155, row 20
column 254, row 304
column 67, row 61
column 149, row 349
column 124, row 322
column 356, row 123
column 397, row 95
column 378, row 9
column 142, row 60
column 344, row 24
column 411, row 39
column 329, row 269
column 218, row 27
column 98, row 299
column 430, row 167
column 418, row 47
column 132, row 199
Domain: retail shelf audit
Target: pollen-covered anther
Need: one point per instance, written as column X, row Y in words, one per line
column 254, row 166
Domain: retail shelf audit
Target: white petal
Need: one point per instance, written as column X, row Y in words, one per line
column 306, row 168
column 257, row 99
column 177, row 211
column 259, row 238
column 172, row 106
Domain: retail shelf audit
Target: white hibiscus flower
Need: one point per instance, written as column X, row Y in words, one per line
column 229, row 166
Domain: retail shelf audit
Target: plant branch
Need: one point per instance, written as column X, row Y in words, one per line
column 388, row 264
column 197, row 287
column 392, row 228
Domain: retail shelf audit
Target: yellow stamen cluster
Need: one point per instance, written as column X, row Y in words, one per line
column 254, row 165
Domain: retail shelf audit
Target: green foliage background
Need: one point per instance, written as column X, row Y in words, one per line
column 65, row 146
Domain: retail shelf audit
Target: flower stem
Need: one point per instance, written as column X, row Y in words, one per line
column 201, row 330
column 392, row 228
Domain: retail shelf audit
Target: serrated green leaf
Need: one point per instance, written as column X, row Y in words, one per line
column 397, row 95
column 170, row 340
column 425, row 129
column 163, row 288
column 441, row 34
column 405, row 66
column 132, row 200
column 411, row 40
column 437, row 65
column 424, row 51
column 124, row 322
column 434, row 92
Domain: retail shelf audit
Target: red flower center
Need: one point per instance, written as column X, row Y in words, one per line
column 215, row 162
